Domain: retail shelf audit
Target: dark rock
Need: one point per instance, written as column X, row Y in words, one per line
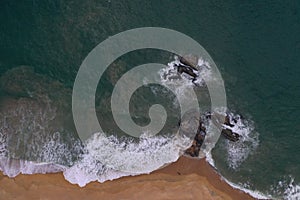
column 227, row 121
column 230, row 135
column 192, row 119
column 193, row 150
column 219, row 120
column 189, row 60
column 198, row 141
column 183, row 69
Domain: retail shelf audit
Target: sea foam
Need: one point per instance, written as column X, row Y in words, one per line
column 108, row 158
column 239, row 151
column 292, row 192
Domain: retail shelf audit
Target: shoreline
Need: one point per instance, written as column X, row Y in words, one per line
column 187, row 178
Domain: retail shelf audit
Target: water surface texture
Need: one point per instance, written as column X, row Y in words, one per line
column 255, row 45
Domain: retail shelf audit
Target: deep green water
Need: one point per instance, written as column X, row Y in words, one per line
column 255, row 44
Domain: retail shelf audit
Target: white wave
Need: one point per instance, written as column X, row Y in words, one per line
column 239, row 151
column 169, row 75
column 3, row 145
column 12, row 167
column 209, row 159
column 108, row 158
column 203, row 63
column 105, row 158
column 53, row 152
column 292, row 192
column 286, row 189
column 256, row 194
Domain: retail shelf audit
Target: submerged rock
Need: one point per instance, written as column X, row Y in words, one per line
column 189, row 124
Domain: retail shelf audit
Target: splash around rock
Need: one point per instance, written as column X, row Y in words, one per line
column 194, row 118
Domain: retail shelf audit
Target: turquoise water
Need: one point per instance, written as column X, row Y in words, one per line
column 255, row 45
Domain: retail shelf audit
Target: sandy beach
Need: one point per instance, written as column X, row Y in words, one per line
column 185, row 179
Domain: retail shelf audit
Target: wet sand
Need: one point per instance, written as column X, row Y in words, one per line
column 185, row 179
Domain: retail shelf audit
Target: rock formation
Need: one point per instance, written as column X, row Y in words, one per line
column 198, row 141
column 219, row 120
column 189, row 60
column 230, row 135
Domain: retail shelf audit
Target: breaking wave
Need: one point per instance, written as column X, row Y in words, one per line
column 103, row 158
column 239, row 151
column 106, row 157
column 292, row 192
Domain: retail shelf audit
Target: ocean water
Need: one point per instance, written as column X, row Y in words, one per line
column 254, row 44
